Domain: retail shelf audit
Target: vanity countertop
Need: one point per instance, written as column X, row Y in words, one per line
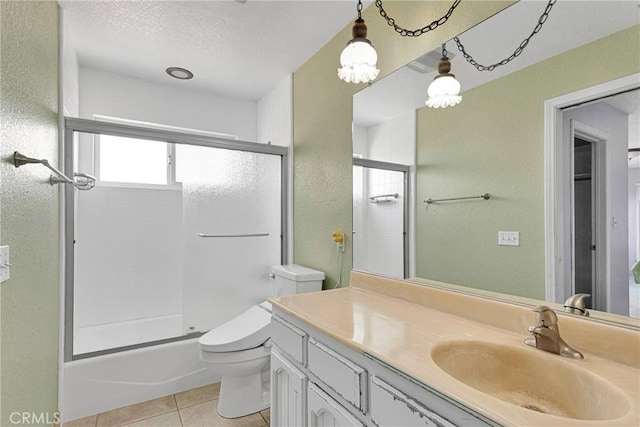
column 400, row 323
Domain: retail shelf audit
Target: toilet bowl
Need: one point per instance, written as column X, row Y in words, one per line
column 239, row 350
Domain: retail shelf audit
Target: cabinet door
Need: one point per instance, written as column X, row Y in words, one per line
column 326, row 412
column 288, row 393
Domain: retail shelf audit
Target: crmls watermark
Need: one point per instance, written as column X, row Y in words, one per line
column 34, row 418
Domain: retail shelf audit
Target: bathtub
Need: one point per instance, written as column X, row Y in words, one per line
column 121, row 334
column 93, row 385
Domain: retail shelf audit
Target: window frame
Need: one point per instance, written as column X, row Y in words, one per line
column 170, row 158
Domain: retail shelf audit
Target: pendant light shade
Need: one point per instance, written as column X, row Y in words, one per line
column 444, row 91
column 358, row 60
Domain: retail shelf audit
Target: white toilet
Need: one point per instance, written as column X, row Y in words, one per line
column 239, row 349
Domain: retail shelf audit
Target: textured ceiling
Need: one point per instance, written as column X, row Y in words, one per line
column 236, row 49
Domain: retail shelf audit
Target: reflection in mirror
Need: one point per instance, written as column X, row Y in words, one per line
column 380, row 217
column 382, row 240
column 494, row 142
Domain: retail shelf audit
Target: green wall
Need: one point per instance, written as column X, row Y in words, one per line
column 29, row 209
column 322, row 116
column 493, row 142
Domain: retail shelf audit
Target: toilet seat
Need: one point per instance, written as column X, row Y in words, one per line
column 237, row 356
column 246, row 331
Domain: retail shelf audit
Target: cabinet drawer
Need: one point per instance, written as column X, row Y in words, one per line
column 289, row 338
column 343, row 376
column 391, row 407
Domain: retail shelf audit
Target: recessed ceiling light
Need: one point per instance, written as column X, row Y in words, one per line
column 179, row 73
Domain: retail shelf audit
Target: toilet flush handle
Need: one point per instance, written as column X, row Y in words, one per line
column 272, row 276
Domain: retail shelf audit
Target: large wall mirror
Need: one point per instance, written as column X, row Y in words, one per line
column 552, row 137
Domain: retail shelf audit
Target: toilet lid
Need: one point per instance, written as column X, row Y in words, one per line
column 248, row 330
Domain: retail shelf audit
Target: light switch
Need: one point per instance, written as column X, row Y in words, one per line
column 5, row 264
column 508, row 238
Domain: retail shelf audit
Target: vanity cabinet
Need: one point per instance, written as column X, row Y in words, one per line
column 317, row 381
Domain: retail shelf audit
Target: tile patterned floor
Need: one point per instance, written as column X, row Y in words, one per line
column 192, row 408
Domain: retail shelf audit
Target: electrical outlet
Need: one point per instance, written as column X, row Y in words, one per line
column 5, row 264
column 508, row 238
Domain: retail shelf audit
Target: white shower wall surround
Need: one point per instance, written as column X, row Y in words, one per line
column 128, row 255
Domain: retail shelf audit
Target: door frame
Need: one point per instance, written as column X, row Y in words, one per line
column 556, row 225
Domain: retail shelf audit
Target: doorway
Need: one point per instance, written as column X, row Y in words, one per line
column 588, row 208
column 586, row 187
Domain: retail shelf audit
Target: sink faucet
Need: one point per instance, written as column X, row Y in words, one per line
column 575, row 304
column 546, row 335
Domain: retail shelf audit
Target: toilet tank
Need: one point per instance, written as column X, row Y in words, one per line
column 295, row 279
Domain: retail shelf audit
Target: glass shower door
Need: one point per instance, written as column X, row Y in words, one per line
column 178, row 235
column 231, row 231
column 380, row 218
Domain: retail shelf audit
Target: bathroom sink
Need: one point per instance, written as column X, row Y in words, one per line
column 531, row 379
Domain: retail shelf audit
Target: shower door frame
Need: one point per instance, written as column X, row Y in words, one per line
column 73, row 125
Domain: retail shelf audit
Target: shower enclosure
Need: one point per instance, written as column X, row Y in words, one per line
column 177, row 237
column 381, row 217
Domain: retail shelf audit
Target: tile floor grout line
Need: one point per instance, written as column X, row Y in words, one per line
column 180, row 418
column 178, row 410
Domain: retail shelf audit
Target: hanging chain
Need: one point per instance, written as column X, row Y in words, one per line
column 359, row 9
column 415, row 33
column 517, row 52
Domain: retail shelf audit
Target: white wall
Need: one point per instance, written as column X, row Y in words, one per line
column 70, row 74
column 360, row 141
column 116, row 95
column 275, row 115
column 394, row 140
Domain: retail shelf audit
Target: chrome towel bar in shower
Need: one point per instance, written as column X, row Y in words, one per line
column 233, row 235
column 383, row 198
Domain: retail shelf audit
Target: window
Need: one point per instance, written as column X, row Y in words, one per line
column 139, row 161
column 130, row 160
